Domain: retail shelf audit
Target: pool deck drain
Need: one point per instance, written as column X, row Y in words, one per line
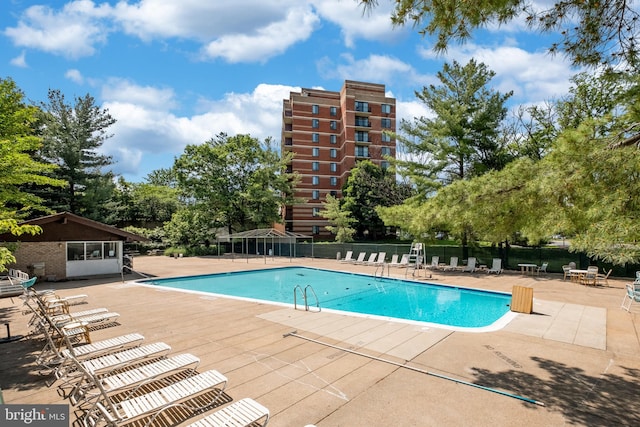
column 579, row 353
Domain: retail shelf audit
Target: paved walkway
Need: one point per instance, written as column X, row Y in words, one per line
column 579, row 353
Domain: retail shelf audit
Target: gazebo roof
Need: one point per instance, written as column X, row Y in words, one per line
column 264, row 233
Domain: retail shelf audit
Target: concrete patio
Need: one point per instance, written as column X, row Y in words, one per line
column 578, row 353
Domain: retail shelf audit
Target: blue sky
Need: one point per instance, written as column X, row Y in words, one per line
column 174, row 73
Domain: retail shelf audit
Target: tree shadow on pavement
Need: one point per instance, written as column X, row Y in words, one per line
column 602, row 400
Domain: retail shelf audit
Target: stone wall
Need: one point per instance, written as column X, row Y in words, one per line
column 52, row 254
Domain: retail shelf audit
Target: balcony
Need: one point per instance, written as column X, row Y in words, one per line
column 362, row 107
column 362, row 123
column 287, row 116
column 362, row 152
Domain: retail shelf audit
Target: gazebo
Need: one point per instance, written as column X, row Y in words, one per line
column 268, row 242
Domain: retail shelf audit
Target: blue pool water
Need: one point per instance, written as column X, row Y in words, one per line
column 356, row 293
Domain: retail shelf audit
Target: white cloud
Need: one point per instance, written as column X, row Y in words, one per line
column 20, row 60
column 74, row 75
column 374, row 68
column 265, row 42
column 533, row 76
column 123, row 91
column 408, row 110
column 197, row 19
column 355, row 22
column 72, row 32
column 238, row 31
column 147, row 127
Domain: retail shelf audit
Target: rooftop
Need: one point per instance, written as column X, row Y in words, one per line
column 578, row 354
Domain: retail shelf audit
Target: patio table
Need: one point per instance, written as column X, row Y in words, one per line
column 526, row 268
column 576, row 274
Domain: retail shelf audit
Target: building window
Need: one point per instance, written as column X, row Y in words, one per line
column 333, row 153
column 386, row 137
column 315, row 166
column 384, row 164
column 334, row 167
column 362, row 151
column 334, row 111
column 315, row 109
column 333, row 124
column 315, row 137
column 316, row 229
column 315, row 212
column 362, row 106
column 315, row 152
column 333, row 138
column 334, row 193
column 334, row 181
column 315, row 194
column 386, row 109
column 315, row 180
column 315, row 123
column 362, row 122
column 385, row 123
column 110, row 249
column 362, row 136
column 386, row 151
column 92, row 251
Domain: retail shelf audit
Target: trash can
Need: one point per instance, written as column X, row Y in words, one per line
column 338, row 256
column 38, row 269
column 522, row 299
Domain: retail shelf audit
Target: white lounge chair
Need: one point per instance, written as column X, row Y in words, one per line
column 394, row 261
column 379, row 260
column 404, row 261
column 360, row 258
column 590, row 277
column 496, row 267
column 471, row 265
column 542, row 268
column 453, row 264
column 10, row 289
column 435, row 262
column 132, row 377
column 371, row 260
column 83, row 374
column 106, row 364
column 348, row 257
column 187, row 394
column 600, row 278
column 50, row 297
column 566, row 269
column 93, row 350
column 243, row 413
column 632, row 295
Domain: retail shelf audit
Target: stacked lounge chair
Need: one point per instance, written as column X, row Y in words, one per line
column 123, row 380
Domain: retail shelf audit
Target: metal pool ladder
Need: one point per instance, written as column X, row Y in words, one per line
column 305, row 296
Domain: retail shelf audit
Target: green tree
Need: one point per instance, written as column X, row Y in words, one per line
column 368, row 187
column 164, row 177
column 462, row 139
column 586, row 187
column 72, row 137
column 18, row 168
column 591, row 33
column 237, row 181
column 339, row 219
column 143, row 204
column 190, row 226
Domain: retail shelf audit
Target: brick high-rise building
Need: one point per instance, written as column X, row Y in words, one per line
column 329, row 132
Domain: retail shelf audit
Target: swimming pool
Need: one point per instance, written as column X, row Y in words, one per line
column 445, row 306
